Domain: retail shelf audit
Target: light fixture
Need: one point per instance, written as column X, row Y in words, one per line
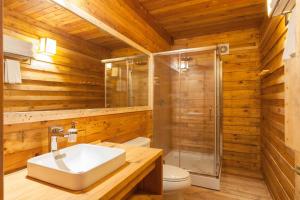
column 184, row 64
column 47, row 46
column 108, row 65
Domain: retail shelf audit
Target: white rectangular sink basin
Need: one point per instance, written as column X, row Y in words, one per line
column 76, row 167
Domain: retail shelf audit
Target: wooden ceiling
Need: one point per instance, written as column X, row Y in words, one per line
column 151, row 23
column 54, row 15
column 187, row 18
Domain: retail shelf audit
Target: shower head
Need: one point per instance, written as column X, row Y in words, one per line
column 184, row 63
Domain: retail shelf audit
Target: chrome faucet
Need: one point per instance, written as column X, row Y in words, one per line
column 58, row 131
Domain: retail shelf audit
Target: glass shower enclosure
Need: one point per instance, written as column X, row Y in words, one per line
column 187, row 109
column 126, row 81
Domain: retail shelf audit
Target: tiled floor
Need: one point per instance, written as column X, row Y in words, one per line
column 232, row 188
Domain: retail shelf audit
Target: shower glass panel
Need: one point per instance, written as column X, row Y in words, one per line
column 138, row 81
column 126, row 82
column 116, row 84
column 187, row 110
column 163, row 118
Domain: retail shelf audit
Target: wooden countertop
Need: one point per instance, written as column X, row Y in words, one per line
column 139, row 163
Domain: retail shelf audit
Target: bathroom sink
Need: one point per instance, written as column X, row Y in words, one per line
column 76, row 167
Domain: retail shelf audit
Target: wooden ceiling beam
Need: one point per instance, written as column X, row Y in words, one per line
column 122, row 20
column 139, row 8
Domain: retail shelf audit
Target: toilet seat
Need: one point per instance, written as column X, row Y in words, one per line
column 175, row 178
column 174, row 174
column 176, row 186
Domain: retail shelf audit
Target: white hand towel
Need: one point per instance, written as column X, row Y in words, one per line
column 18, row 76
column 12, row 72
column 291, row 40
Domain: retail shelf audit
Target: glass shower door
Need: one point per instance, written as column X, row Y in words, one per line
column 165, row 128
column 186, row 110
column 116, row 84
column 196, row 112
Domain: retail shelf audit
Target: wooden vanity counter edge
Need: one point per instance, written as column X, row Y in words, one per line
column 143, row 168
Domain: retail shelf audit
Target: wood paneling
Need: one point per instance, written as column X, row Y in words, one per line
column 278, row 159
column 25, row 140
column 124, row 52
column 73, row 78
column 53, row 15
column 241, row 95
column 1, row 101
column 186, row 18
column 292, row 89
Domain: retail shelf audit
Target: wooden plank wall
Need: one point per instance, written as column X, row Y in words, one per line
column 73, row 78
column 278, row 159
column 1, row 101
column 25, row 140
column 241, row 123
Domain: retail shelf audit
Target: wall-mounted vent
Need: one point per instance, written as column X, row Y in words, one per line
column 14, row 47
column 223, row 49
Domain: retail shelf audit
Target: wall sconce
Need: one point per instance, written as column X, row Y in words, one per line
column 184, row 64
column 108, row 66
column 47, row 46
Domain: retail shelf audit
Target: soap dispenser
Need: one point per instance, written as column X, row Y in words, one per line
column 72, row 132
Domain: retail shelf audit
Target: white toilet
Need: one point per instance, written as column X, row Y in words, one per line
column 175, row 179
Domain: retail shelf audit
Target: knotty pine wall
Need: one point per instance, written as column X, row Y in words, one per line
column 241, row 123
column 73, row 78
column 25, row 140
column 278, row 159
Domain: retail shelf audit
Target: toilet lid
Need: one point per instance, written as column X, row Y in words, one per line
column 172, row 173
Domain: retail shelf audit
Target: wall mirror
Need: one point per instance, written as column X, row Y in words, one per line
column 67, row 62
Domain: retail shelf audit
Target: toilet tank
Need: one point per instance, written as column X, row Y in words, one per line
column 139, row 142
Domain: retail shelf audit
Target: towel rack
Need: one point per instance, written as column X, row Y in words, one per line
column 21, row 58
